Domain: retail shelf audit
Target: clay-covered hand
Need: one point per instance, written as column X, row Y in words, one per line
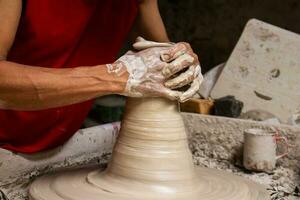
column 158, row 69
column 181, row 58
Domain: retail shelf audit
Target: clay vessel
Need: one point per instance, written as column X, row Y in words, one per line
column 151, row 160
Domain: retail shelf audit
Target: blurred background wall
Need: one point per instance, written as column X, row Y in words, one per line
column 214, row 26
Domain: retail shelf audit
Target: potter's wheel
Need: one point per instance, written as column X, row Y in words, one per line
column 211, row 185
column 151, row 161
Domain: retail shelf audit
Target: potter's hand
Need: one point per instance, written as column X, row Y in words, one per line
column 153, row 70
column 181, row 57
column 145, row 77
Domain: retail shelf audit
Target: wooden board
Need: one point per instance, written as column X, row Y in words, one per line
column 263, row 70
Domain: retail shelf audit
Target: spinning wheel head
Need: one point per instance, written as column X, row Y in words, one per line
column 151, row 160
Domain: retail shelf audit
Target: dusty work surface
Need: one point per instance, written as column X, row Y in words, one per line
column 263, row 70
column 216, row 142
column 90, row 146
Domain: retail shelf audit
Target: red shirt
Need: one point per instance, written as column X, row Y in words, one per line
column 60, row 34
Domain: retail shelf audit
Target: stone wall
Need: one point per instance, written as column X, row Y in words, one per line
column 214, row 26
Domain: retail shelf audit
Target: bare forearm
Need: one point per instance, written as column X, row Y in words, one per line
column 149, row 23
column 33, row 88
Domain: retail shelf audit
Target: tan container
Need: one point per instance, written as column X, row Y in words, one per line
column 201, row 106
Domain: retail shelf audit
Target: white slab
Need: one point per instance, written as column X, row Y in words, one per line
column 263, row 70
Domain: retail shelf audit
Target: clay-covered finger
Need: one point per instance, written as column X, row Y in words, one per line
column 171, row 94
column 178, row 64
column 142, row 44
column 157, row 90
column 174, row 52
column 181, row 80
column 185, row 78
column 161, row 91
column 197, row 72
column 165, row 92
column 192, row 90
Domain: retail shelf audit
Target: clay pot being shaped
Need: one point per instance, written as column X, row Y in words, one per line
column 151, row 161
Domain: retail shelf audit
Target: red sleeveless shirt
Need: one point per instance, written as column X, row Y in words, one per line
column 62, row 33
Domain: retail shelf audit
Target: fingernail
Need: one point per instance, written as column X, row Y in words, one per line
column 165, row 57
column 166, row 72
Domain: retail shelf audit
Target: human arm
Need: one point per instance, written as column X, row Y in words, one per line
column 149, row 23
column 34, row 88
column 24, row 87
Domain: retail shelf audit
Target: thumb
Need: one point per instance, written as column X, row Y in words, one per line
column 141, row 44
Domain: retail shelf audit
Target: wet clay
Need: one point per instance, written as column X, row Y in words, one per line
column 151, row 160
